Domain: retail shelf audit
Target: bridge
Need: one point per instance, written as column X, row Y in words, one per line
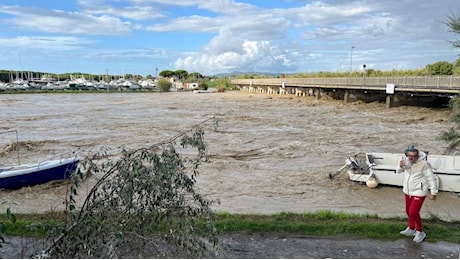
column 402, row 90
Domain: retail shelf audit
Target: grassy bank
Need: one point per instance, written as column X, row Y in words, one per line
column 322, row 223
column 327, row 223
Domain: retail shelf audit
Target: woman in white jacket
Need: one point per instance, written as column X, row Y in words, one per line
column 419, row 182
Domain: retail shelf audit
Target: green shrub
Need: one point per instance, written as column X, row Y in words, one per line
column 164, row 85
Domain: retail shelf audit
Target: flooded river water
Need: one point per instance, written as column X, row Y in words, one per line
column 286, row 146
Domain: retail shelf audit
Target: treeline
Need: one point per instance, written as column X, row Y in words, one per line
column 438, row 68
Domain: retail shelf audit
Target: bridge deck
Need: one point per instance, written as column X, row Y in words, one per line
column 422, row 84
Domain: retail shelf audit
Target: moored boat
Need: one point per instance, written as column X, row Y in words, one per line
column 380, row 168
column 18, row 176
column 58, row 167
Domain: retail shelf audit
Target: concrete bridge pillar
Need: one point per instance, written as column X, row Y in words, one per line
column 389, row 101
column 299, row 92
column 317, row 94
column 346, row 96
column 283, row 91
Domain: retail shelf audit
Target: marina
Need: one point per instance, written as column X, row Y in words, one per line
column 79, row 83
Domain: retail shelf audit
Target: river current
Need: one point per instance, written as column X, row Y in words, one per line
column 270, row 153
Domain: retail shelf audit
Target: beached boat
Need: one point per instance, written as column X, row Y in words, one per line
column 58, row 167
column 18, row 176
column 380, row 168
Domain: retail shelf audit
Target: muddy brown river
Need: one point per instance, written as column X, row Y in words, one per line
column 270, row 153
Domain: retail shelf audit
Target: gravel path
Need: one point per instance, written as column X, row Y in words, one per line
column 296, row 247
column 272, row 246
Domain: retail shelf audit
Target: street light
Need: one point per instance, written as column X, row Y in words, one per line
column 351, row 61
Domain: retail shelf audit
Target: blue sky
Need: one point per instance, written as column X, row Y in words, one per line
column 222, row 36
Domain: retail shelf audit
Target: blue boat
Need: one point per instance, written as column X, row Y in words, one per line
column 59, row 167
column 16, row 177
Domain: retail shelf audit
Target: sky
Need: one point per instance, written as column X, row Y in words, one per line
column 145, row 37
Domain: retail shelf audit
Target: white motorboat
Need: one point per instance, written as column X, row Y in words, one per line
column 380, row 168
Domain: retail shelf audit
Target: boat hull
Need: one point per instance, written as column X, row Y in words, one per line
column 32, row 174
column 382, row 166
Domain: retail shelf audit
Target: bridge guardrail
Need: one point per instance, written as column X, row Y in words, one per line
column 440, row 82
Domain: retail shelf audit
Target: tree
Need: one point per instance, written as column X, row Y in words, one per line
column 452, row 136
column 144, row 205
column 167, row 73
column 440, row 68
column 137, row 77
column 195, row 76
column 456, row 68
column 181, row 74
column 453, row 23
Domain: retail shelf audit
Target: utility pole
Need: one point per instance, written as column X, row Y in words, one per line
column 351, row 62
column 107, row 79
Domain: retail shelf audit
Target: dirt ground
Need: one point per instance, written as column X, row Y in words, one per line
column 272, row 246
column 297, row 247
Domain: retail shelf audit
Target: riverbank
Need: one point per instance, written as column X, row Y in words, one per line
column 287, row 235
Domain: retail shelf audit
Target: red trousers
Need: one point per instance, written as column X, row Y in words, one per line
column 413, row 207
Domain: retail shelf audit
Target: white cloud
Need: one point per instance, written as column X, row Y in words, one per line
column 37, row 43
column 139, row 11
column 57, row 21
column 192, row 23
column 253, row 55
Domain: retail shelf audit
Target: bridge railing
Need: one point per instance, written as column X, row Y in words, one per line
column 406, row 81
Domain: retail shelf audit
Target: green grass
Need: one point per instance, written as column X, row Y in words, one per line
column 321, row 223
column 328, row 223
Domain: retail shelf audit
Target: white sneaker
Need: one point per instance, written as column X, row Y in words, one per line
column 419, row 236
column 408, row 232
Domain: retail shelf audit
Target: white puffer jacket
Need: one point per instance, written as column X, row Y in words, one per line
column 418, row 177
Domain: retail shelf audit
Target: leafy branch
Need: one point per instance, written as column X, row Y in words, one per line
column 144, row 205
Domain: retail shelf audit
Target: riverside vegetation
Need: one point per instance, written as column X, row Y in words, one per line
column 321, row 223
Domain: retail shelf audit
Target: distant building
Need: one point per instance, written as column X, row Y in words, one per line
column 191, row 86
